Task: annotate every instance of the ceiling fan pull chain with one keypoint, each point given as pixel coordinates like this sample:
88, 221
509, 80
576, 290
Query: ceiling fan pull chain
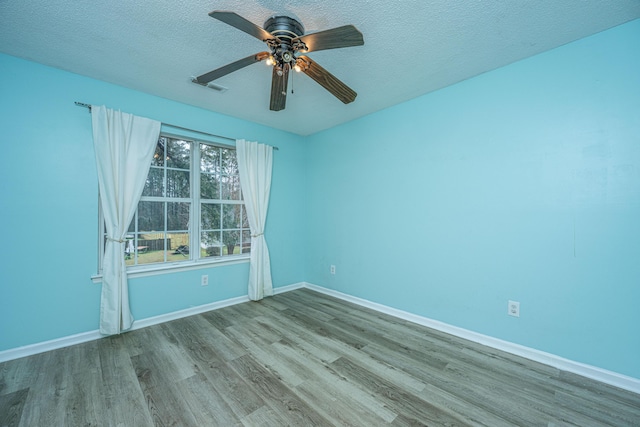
284, 80
292, 83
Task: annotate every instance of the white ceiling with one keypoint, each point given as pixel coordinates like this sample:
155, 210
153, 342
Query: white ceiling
411, 47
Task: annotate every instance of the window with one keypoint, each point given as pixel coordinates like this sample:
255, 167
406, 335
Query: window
191, 209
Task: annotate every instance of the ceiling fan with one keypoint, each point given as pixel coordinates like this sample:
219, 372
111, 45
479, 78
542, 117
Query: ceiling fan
287, 42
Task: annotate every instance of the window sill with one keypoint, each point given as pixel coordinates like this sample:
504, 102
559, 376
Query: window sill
177, 267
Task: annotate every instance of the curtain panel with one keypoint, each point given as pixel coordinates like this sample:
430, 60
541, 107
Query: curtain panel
124, 145
255, 162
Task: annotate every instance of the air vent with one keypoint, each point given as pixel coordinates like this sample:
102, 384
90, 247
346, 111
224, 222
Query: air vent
216, 87
210, 85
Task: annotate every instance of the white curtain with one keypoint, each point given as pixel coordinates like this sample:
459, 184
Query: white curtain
254, 164
124, 145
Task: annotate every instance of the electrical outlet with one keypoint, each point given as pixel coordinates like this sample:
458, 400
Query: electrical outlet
333, 269
514, 308
204, 280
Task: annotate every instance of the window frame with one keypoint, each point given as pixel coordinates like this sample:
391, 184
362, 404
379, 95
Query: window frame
195, 261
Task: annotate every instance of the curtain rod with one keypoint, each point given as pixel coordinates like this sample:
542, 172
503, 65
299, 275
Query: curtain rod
88, 106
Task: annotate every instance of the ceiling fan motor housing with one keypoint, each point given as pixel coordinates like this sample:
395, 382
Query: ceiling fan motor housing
284, 28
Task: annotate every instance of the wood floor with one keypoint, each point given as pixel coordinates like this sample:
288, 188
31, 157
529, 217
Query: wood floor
302, 359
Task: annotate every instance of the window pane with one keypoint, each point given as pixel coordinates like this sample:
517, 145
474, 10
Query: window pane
230, 187
150, 248
178, 154
210, 216
209, 186
211, 244
158, 156
154, 186
129, 250
231, 241
245, 219
150, 216
246, 241
229, 162
178, 184
177, 216
178, 244
230, 216
209, 159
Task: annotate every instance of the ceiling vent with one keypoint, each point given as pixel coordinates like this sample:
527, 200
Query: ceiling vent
216, 87
211, 85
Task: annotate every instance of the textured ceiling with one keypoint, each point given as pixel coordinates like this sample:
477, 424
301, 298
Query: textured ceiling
412, 47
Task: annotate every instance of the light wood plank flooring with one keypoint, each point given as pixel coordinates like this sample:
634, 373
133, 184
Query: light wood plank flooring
300, 359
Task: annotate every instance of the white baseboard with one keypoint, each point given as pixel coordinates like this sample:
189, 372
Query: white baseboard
283, 289
149, 321
28, 350
608, 377
588, 371
41, 347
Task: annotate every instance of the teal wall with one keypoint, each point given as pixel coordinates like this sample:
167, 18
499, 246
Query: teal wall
49, 206
522, 183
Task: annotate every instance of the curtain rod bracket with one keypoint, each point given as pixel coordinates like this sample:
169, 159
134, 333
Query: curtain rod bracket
82, 104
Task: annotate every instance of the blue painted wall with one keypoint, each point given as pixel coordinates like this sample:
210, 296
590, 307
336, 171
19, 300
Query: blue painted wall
522, 183
49, 206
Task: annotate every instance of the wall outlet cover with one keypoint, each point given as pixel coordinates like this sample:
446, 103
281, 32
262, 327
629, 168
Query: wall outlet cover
514, 308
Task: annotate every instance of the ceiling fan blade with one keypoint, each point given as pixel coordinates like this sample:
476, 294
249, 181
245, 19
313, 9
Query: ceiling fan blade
327, 80
345, 36
229, 68
242, 24
279, 89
